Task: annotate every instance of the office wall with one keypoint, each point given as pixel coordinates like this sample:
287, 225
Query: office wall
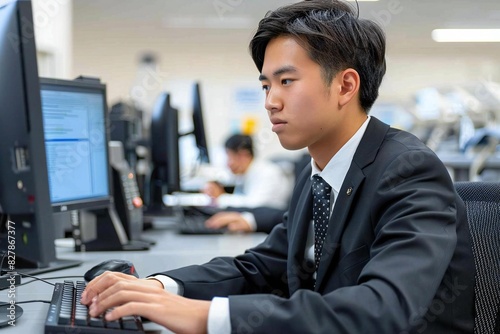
109, 48
222, 64
53, 32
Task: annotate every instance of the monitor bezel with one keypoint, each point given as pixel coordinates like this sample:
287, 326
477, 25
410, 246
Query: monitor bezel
164, 137
91, 202
199, 128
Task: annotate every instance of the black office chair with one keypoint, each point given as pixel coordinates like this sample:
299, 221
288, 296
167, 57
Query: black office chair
497, 327
482, 202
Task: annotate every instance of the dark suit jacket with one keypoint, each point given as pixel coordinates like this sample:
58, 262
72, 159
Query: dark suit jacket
397, 257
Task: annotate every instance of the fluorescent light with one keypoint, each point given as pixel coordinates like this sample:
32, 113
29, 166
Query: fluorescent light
466, 35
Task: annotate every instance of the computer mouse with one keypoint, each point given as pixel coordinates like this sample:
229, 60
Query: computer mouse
122, 266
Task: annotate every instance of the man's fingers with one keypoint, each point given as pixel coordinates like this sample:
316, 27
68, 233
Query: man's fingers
101, 283
131, 308
219, 220
142, 286
239, 226
102, 303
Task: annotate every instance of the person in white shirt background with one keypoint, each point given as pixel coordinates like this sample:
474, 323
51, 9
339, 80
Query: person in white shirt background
258, 182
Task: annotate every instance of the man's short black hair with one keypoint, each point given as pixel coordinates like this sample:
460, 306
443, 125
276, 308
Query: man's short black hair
239, 142
334, 37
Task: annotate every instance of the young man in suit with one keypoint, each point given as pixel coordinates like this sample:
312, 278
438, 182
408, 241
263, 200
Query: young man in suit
396, 257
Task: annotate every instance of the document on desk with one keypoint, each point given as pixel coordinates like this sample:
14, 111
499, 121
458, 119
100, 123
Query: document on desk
187, 199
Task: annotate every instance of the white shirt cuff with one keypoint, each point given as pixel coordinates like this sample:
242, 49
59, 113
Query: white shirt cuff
169, 284
250, 220
219, 321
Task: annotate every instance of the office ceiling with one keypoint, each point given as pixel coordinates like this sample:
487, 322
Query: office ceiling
408, 23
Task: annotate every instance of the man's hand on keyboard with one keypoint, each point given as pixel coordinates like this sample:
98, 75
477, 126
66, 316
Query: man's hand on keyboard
234, 221
128, 295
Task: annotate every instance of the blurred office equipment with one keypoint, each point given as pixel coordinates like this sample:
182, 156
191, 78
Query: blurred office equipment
127, 199
461, 123
167, 145
25, 209
126, 126
194, 151
199, 125
164, 145
435, 119
76, 140
394, 114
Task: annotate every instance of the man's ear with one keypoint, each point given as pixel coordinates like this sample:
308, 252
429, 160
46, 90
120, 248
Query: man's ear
349, 86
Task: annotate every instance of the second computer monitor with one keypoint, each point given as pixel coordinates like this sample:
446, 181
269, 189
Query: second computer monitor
76, 143
165, 147
199, 125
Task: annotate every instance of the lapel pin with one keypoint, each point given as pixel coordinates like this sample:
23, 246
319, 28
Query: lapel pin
349, 191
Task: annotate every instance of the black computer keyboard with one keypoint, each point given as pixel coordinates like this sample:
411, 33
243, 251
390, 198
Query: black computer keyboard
196, 225
67, 315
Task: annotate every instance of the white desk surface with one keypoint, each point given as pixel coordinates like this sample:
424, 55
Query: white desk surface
171, 251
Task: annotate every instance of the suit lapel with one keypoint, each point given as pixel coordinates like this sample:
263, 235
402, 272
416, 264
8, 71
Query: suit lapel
300, 221
365, 155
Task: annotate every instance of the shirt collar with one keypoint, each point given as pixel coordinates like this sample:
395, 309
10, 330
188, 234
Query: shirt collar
336, 169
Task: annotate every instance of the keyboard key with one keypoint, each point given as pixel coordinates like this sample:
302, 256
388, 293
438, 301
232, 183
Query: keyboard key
67, 315
113, 324
97, 322
129, 322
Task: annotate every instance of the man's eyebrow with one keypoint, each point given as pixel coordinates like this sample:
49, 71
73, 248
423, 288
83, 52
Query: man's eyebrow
279, 71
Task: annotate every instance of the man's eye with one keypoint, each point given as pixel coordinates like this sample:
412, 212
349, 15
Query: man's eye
286, 81
265, 88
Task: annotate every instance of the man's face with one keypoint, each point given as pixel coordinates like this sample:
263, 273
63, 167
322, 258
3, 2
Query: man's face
238, 161
299, 103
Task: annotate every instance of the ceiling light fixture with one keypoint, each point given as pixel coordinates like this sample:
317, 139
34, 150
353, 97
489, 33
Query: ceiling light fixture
466, 35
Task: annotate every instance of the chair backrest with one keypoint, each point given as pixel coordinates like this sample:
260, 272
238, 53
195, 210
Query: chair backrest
482, 202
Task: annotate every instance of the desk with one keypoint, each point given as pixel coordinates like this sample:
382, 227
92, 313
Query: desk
171, 251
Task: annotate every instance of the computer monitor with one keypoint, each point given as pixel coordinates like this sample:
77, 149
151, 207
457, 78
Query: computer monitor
199, 125
164, 131
25, 209
76, 143
75, 123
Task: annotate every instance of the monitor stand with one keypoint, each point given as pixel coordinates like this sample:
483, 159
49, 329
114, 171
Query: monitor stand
102, 230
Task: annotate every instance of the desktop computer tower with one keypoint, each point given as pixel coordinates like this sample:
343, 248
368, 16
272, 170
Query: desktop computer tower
127, 199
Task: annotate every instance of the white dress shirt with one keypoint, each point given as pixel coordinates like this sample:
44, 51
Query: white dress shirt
263, 184
334, 173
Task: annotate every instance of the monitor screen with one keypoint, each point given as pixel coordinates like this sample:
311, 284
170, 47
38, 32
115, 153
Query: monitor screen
74, 118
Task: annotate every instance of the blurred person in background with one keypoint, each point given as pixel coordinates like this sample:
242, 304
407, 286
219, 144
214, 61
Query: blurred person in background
259, 183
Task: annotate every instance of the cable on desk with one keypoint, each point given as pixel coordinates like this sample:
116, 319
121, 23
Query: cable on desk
47, 278
36, 278
1, 262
